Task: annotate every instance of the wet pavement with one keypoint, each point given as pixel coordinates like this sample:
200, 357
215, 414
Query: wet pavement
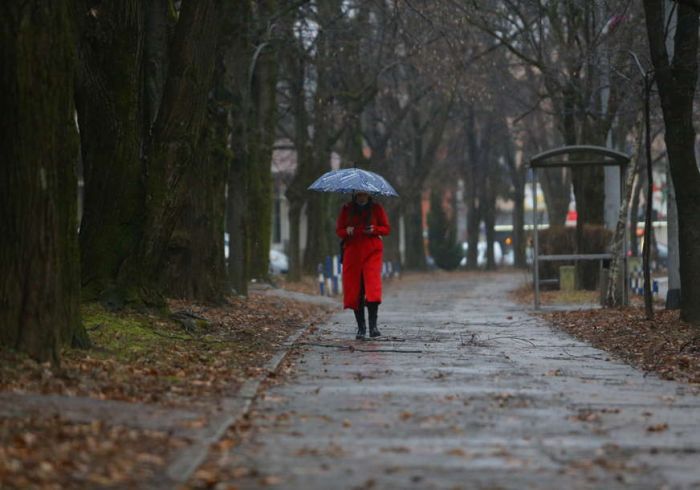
468, 391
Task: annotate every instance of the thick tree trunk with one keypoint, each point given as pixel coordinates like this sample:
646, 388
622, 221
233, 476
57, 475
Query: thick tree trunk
232, 92
39, 265
155, 60
676, 80
176, 136
195, 264
107, 102
237, 225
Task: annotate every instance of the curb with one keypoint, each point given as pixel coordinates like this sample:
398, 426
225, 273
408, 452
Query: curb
181, 468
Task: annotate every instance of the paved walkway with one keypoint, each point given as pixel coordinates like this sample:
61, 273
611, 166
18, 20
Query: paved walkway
494, 399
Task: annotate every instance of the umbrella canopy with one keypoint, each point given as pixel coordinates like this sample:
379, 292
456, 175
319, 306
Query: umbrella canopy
348, 180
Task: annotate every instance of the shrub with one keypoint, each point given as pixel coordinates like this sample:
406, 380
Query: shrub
442, 236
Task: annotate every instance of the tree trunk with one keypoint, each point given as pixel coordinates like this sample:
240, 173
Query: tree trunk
674, 275
176, 136
232, 92
155, 60
295, 265
107, 101
320, 226
676, 80
613, 296
195, 267
473, 223
489, 224
590, 208
473, 177
556, 188
413, 219
39, 265
237, 225
317, 208
392, 242
519, 259
634, 212
263, 106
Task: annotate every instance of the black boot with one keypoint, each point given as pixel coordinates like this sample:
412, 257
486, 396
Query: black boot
361, 331
373, 330
361, 326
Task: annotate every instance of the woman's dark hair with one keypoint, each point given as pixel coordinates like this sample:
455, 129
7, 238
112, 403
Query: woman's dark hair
356, 209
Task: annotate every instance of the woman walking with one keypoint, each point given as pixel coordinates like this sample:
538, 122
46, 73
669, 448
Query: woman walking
360, 225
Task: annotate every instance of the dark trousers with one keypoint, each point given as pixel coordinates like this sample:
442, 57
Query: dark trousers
372, 307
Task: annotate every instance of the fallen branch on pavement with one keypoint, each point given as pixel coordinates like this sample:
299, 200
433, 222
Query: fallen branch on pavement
352, 348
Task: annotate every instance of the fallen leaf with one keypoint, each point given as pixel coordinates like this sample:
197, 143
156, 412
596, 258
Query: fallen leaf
657, 428
271, 480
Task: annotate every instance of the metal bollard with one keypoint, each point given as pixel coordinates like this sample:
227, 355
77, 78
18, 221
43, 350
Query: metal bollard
321, 282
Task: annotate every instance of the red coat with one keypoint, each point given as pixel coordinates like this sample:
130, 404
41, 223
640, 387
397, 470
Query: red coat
362, 256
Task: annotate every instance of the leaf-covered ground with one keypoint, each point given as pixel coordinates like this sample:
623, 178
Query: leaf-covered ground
51, 452
666, 345
188, 358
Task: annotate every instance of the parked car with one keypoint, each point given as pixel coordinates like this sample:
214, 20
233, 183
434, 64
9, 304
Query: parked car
481, 253
279, 263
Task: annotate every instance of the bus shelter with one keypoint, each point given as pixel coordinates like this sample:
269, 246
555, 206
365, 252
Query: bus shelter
576, 157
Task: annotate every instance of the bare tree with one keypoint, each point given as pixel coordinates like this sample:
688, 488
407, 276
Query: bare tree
676, 79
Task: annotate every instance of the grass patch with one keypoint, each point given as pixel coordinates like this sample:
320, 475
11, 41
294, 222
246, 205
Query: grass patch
525, 294
123, 336
151, 357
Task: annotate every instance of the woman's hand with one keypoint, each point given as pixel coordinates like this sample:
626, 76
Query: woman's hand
350, 230
369, 230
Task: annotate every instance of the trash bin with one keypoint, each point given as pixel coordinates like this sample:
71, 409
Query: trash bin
567, 278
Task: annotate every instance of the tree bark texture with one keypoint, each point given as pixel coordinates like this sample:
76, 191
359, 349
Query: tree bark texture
176, 136
320, 219
195, 265
157, 23
613, 296
295, 265
196, 261
39, 264
296, 192
676, 80
236, 225
263, 92
107, 101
